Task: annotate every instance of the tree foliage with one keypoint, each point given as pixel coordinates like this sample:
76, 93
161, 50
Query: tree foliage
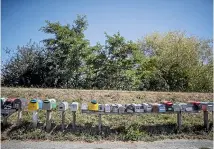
169, 61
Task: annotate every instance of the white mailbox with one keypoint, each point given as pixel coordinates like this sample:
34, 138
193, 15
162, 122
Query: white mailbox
84, 107
147, 107
138, 108
74, 106
114, 108
121, 108
63, 106
189, 107
107, 108
101, 108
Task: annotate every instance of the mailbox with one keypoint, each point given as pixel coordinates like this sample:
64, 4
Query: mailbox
189, 107
40, 103
204, 106
176, 107
2, 102
101, 107
53, 103
210, 106
33, 105
84, 107
9, 103
155, 107
74, 106
114, 108
63, 106
129, 108
161, 108
107, 108
46, 105
121, 108
19, 103
93, 105
138, 108
183, 106
196, 105
168, 105
147, 107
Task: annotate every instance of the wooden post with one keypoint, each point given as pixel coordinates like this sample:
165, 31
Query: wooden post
19, 116
63, 120
100, 123
206, 124
48, 120
35, 118
74, 119
4, 121
179, 120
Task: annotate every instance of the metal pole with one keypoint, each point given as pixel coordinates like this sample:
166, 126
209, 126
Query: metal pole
35, 119
63, 120
19, 116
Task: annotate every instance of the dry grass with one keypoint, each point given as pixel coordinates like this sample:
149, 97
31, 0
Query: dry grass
147, 127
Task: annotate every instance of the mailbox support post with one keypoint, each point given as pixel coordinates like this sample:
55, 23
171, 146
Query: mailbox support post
35, 118
48, 120
100, 123
74, 119
179, 120
206, 124
19, 116
63, 120
4, 121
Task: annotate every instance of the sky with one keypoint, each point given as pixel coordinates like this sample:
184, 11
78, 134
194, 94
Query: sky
22, 19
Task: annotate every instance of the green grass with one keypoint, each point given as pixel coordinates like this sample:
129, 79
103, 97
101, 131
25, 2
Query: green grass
147, 127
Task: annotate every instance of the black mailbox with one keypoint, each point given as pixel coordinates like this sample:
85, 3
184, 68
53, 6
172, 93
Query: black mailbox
19, 103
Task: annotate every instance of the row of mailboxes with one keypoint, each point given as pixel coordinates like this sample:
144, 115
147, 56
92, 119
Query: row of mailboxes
14, 103
36, 104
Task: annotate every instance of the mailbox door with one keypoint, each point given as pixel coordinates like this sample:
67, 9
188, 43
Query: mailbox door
61, 107
17, 104
84, 107
107, 108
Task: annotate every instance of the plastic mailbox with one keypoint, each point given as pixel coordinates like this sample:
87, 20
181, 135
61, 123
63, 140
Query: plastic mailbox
19, 103
138, 108
63, 106
74, 106
176, 107
161, 108
101, 107
84, 107
46, 105
210, 106
93, 105
168, 105
107, 108
204, 106
53, 103
121, 108
147, 107
33, 105
114, 108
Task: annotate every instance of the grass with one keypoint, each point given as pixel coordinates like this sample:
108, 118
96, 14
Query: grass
147, 127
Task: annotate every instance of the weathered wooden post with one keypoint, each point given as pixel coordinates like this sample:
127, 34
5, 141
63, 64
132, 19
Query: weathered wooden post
63, 120
179, 122
100, 123
19, 116
206, 124
74, 119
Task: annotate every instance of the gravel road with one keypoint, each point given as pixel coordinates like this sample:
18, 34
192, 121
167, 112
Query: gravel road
166, 144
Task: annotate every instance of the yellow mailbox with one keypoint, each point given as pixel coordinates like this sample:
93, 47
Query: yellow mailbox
93, 105
33, 105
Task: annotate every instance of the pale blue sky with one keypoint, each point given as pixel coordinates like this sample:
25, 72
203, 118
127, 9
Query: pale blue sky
22, 19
